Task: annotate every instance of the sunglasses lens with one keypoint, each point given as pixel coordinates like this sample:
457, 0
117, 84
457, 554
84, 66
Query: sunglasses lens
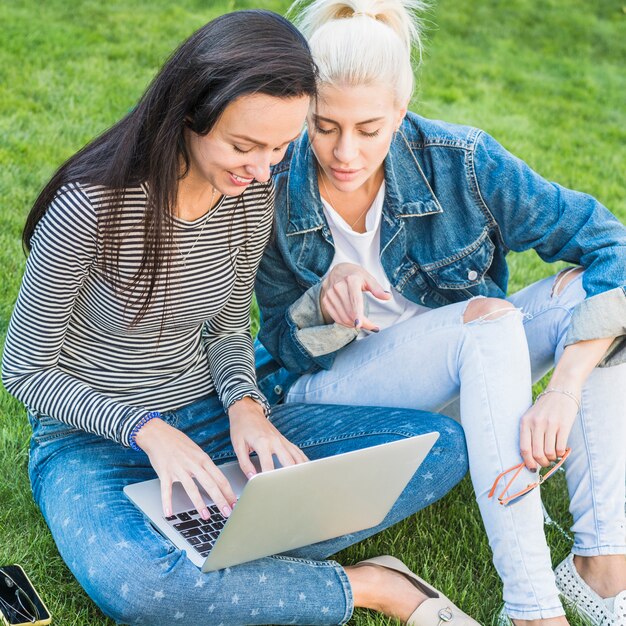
16, 606
10, 612
27, 605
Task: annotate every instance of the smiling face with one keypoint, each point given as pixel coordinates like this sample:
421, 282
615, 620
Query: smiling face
251, 135
351, 130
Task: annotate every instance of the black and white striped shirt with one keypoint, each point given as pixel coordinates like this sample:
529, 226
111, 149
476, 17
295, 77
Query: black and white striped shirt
71, 351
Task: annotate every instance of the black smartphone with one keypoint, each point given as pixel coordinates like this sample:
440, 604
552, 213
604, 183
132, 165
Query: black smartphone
20, 604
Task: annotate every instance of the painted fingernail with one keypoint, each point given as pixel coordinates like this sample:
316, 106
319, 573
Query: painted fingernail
226, 511
387, 291
205, 514
375, 330
533, 470
168, 512
357, 322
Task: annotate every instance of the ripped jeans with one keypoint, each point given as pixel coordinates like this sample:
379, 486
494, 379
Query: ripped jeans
429, 361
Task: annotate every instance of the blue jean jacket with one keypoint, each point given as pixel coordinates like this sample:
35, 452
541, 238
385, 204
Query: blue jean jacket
455, 203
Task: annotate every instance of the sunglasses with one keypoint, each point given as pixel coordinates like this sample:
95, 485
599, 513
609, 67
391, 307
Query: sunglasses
505, 499
15, 603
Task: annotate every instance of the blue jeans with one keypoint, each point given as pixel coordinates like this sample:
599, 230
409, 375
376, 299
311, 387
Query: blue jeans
137, 577
426, 362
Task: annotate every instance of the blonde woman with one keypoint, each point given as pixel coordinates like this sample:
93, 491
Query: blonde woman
386, 284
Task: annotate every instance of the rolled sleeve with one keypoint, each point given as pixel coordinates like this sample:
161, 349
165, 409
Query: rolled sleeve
310, 329
600, 316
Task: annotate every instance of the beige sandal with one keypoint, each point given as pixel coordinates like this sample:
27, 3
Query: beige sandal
437, 609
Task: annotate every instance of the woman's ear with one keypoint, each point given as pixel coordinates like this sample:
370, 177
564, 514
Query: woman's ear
400, 117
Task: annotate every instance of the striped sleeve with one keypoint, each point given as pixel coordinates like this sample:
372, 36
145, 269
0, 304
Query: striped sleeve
227, 336
64, 250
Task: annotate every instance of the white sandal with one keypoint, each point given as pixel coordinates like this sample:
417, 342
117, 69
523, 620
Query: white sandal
437, 609
582, 598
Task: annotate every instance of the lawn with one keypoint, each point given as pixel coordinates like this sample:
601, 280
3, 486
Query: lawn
546, 79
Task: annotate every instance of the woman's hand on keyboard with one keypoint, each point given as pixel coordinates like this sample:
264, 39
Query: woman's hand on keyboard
176, 458
251, 431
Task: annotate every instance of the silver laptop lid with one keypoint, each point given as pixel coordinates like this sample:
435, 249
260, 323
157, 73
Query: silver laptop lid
295, 506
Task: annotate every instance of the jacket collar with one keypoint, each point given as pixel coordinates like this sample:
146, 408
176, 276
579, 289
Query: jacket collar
407, 193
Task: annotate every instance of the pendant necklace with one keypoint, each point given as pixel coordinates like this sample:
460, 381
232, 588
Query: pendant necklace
330, 201
184, 257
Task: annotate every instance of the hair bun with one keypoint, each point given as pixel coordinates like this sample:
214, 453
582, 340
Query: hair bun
364, 14
364, 51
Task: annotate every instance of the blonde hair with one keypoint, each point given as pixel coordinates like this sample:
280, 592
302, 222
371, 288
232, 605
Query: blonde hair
360, 42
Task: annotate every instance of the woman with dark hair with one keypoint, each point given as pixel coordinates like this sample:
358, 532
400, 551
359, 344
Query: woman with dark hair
130, 345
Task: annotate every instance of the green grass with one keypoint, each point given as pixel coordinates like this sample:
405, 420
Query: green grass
546, 79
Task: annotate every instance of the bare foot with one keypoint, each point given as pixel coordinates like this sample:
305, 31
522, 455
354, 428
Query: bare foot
606, 575
384, 590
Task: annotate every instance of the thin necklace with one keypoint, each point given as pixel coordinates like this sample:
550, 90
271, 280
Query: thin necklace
184, 257
330, 201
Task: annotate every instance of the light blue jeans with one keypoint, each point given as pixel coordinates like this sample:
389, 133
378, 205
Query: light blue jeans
137, 577
426, 362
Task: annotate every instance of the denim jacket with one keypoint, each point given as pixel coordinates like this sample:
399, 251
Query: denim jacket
455, 203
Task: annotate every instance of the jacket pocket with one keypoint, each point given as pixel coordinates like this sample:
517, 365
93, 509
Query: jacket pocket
464, 269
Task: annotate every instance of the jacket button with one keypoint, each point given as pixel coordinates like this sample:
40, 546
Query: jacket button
472, 274
278, 390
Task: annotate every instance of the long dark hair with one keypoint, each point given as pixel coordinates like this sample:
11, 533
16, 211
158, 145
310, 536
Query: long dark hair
237, 54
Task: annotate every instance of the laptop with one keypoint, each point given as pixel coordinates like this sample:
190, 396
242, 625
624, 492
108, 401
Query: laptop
288, 507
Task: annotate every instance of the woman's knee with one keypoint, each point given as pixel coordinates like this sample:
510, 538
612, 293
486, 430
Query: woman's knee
450, 448
443, 467
486, 308
451, 445
403, 423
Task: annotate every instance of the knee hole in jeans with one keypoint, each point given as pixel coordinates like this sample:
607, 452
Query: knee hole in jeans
486, 308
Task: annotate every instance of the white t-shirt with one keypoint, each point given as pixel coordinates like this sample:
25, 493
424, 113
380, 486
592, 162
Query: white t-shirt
363, 249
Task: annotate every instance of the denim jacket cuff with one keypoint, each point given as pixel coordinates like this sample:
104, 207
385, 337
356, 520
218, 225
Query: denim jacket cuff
603, 315
306, 310
313, 334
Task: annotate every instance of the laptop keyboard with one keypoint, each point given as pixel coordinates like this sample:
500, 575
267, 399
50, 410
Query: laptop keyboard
200, 534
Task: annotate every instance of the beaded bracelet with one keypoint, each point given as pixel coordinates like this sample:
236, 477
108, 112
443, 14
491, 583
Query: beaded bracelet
142, 422
569, 394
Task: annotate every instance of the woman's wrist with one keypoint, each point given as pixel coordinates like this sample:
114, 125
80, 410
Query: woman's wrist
572, 395
244, 406
569, 377
138, 433
565, 383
